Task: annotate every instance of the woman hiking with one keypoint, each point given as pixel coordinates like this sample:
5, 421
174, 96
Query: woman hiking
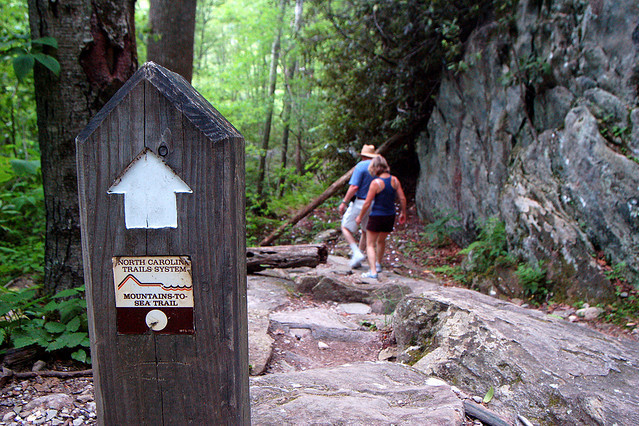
384, 190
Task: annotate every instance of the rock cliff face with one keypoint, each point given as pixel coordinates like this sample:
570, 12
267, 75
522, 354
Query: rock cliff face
542, 131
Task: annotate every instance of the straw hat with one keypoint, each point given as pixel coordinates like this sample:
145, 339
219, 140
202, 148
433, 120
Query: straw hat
368, 151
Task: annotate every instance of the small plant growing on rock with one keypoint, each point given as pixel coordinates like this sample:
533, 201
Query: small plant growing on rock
490, 248
533, 280
625, 310
438, 233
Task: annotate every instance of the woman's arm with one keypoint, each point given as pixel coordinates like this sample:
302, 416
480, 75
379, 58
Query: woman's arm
373, 189
402, 201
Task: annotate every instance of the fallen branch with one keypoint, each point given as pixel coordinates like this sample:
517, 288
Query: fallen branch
484, 415
48, 373
260, 258
330, 191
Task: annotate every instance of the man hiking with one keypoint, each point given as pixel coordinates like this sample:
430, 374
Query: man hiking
358, 187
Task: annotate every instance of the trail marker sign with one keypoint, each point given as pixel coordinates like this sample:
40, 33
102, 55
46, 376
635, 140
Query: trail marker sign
161, 184
149, 187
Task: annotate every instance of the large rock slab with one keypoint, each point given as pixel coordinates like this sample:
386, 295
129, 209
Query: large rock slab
377, 393
551, 153
382, 296
322, 323
260, 343
547, 369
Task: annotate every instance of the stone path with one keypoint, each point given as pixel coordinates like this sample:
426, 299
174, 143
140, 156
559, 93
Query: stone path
321, 341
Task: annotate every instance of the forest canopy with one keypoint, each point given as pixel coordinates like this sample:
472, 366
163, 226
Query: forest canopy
346, 73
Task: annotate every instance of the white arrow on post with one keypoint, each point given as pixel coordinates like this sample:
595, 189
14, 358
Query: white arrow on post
149, 187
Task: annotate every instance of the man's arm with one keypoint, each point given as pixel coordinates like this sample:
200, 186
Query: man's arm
352, 190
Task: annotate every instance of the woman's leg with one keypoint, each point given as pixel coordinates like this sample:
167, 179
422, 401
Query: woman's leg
381, 246
371, 239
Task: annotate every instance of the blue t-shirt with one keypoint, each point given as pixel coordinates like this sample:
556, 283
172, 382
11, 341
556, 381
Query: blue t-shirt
361, 178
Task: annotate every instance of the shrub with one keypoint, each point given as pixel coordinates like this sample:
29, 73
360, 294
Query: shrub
438, 233
533, 280
55, 323
490, 248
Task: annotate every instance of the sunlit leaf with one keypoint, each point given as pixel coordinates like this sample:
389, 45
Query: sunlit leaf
489, 395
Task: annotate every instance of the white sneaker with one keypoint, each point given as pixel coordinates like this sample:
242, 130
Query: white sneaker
378, 267
370, 274
356, 259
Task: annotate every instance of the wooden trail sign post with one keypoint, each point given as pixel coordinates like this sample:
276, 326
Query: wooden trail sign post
161, 182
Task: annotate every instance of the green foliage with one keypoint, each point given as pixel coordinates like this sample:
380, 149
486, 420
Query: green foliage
57, 323
490, 248
533, 280
619, 137
624, 311
530, 70
21, 219
438, 233
454, 272
618, 272
383, 60
300, 191
17, 102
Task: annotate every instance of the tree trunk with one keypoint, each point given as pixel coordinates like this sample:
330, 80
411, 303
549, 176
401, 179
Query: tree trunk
260, 258
171, 37
97, 54
288, 97
290, 72
266, 135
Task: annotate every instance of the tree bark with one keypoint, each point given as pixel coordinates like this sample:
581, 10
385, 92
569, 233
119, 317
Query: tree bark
97, 54
171, 36
286, 118
260, 258
288, 97
266, 134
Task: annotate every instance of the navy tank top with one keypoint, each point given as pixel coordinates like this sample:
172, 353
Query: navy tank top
384, 204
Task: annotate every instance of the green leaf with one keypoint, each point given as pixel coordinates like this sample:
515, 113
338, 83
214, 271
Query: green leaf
55, 327
79, 355
73, 340
49, 62
46, 41
25, 167
5, 308
22, 65
66, 293
57, 344
50, 307
73, 325
20, 341
489, 395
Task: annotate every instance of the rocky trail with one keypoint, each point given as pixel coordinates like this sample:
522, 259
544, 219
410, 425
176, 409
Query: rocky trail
326, 346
